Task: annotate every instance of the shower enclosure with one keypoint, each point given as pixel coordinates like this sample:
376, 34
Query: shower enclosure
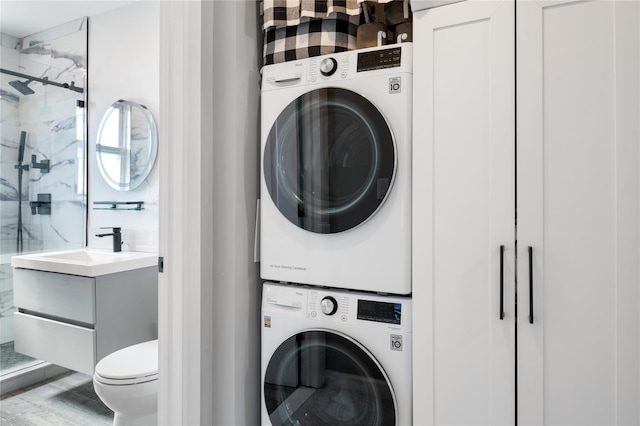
43, 156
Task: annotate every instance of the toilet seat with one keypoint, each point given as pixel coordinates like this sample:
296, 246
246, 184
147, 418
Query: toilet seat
129, 366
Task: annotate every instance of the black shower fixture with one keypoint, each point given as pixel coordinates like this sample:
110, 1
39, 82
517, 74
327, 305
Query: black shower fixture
23, 143
22, 86
21, 169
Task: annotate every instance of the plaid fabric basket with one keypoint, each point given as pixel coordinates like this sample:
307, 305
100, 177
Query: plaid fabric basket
311, 38
286, 13
297, 29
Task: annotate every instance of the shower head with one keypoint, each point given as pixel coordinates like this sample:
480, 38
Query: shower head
22, 86
23, 140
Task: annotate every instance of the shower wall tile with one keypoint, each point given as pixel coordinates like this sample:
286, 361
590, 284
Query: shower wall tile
9, 56
9, 184
6, 302
9, 109
9, 225
9, 104
9, 141
6, 274
10, 42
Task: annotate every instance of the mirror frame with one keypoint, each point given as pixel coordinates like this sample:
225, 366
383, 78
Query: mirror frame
119, 107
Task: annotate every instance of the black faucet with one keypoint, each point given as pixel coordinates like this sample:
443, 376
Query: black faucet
117, 238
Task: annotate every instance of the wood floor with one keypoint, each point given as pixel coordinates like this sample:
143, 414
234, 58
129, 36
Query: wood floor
67, 400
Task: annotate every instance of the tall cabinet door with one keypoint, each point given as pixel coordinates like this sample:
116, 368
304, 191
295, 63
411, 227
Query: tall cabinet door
578, 197
463, 146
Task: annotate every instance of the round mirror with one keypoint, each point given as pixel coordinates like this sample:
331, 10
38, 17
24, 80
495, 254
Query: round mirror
127, 145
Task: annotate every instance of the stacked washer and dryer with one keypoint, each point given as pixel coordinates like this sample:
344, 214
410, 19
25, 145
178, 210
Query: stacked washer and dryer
335, 239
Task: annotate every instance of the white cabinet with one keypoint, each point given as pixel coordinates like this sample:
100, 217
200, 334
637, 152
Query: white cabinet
578, 192
464, 369
525, 136
75, 321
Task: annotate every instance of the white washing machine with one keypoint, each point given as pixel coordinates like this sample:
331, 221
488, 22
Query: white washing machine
336, 170
335, 357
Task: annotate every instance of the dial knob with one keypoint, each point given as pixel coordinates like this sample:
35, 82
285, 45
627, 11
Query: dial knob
328, 305
328, 66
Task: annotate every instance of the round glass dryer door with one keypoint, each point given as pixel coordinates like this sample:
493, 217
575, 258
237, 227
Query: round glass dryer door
324, 378
329, 160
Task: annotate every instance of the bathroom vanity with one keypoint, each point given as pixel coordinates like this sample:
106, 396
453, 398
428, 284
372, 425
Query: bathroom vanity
78, 307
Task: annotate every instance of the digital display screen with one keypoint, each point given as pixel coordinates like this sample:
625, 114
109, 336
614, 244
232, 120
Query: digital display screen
379, 59
386, 312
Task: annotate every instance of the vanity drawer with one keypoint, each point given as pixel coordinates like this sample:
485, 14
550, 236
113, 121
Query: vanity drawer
63, 344
66, 296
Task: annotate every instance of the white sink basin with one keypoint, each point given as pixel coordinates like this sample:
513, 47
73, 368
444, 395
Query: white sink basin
85, 262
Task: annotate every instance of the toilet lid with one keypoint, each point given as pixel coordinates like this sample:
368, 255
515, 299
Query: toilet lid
137, 361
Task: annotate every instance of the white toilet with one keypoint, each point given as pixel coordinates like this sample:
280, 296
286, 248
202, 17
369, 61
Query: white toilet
127, 382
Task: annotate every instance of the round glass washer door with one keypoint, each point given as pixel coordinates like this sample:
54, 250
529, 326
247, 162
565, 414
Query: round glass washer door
329, 160
324, 378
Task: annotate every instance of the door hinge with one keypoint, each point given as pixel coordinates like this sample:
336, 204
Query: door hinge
161, 264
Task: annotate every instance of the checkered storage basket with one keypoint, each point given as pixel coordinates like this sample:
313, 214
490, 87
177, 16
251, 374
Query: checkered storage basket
297, 29
312, 38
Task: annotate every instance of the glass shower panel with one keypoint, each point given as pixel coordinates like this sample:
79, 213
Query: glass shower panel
43, 154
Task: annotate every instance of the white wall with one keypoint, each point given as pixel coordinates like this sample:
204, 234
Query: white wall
235, 133
124, 46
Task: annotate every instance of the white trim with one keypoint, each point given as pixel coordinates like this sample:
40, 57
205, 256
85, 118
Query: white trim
209, 295
180, 208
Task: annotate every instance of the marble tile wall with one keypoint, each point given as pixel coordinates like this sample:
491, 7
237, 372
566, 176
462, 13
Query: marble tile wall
55, 131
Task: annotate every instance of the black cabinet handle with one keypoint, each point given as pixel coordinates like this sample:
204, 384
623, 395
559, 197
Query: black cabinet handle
501, 282
530, 285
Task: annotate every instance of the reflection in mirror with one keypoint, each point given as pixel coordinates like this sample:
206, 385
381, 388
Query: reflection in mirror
127, 145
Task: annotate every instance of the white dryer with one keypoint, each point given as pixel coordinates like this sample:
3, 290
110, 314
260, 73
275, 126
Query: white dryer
336, 170
334, 357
